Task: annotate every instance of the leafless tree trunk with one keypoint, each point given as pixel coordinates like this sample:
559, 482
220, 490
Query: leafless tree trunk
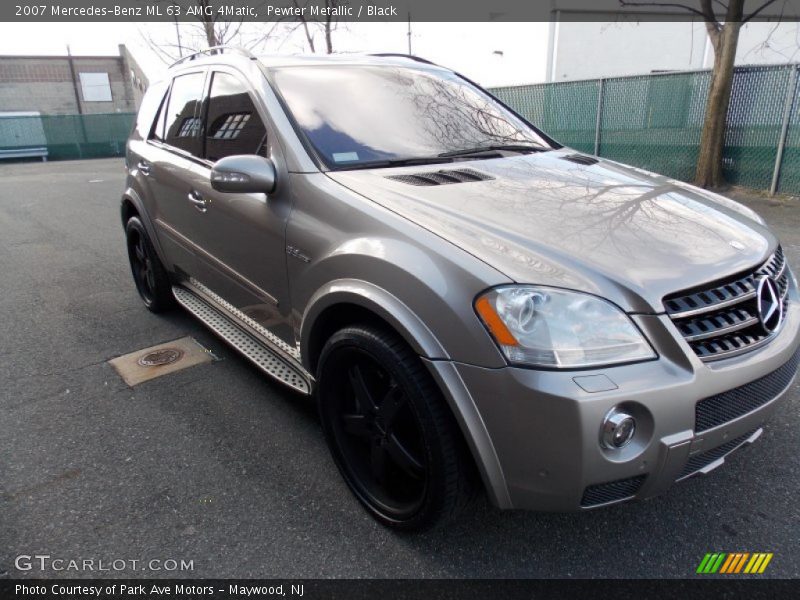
724, 35
725, 39
306, 30
211, 35
327, 26
328, 38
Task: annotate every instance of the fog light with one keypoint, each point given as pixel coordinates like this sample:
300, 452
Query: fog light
618, 430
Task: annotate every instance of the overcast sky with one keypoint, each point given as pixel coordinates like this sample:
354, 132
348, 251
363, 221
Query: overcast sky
490, 53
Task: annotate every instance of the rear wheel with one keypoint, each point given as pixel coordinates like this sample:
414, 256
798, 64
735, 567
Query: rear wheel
389, 430
149, 275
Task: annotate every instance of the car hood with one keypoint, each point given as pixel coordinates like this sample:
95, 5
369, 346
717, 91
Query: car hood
604, 228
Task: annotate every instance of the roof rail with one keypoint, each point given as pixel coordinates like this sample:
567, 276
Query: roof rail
214, 50
401, 55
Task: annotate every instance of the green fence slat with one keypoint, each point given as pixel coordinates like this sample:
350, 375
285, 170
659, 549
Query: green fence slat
67, 137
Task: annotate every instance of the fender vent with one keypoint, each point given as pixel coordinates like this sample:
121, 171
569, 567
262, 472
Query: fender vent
581, 159
443, 177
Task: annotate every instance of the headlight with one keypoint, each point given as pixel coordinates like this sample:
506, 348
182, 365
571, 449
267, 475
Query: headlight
549, 327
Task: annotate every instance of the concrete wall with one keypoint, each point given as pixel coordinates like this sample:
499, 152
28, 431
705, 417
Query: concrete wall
45, 84
587, 50
137, 80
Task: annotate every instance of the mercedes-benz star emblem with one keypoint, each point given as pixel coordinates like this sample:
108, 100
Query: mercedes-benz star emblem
770, 307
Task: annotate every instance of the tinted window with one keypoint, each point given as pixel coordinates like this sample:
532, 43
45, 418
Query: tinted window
234, 126
183, 115
358, 114
147, 111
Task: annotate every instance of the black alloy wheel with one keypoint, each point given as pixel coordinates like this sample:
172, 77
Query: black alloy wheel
393, 438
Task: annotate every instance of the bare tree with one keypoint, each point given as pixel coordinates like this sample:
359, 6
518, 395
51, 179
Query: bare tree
327, 26
304, 24
208, 30
723, 20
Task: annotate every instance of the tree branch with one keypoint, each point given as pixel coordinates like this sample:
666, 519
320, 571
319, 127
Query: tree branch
691, 9
756, 11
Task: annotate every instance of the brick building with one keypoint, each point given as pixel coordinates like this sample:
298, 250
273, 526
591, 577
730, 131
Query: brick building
61, 85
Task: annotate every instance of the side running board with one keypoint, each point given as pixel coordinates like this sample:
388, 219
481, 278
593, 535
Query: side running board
265, 358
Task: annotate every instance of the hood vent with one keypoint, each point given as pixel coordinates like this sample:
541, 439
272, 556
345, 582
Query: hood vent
581, 159
443, 177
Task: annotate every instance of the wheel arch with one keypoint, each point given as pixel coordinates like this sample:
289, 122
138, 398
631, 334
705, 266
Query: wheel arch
346, 302
341, 302
132, 205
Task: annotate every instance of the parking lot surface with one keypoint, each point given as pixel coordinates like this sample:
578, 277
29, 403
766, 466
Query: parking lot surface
218, 465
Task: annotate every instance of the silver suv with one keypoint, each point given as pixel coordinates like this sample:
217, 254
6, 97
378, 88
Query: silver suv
472, 304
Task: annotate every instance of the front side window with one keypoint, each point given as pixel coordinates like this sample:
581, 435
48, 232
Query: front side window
183, 124
234, 126
354, 115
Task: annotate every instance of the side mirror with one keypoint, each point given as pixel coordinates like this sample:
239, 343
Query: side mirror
243, 173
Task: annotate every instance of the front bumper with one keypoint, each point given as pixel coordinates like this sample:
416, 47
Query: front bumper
538, 446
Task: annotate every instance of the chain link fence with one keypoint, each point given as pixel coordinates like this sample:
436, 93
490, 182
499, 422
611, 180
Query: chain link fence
60, 137
654, 121
649, 121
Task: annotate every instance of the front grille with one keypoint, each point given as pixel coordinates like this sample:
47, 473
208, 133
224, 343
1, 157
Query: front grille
613, 491
716, 410
700, 461
721, 320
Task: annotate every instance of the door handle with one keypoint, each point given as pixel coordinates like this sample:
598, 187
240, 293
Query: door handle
144, 167
199, 202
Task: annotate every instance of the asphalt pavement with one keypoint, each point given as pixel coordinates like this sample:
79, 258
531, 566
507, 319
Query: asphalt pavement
218, 465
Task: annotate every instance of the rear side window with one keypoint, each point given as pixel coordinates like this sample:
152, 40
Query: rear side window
150, 105
183, 124
233, 124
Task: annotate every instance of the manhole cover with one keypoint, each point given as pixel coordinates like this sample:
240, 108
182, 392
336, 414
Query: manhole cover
158, 358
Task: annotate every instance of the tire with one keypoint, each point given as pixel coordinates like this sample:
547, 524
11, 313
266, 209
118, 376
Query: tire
389, 430
149, 275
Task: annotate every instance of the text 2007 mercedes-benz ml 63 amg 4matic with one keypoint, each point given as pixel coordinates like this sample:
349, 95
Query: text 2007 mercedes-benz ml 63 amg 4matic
472, 304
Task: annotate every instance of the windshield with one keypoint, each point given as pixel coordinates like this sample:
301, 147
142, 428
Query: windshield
357, 115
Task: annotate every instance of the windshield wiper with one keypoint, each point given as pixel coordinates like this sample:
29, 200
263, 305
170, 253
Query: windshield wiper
397, 162
494, 148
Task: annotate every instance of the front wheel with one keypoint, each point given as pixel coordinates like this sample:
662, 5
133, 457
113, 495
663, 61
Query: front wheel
389, 431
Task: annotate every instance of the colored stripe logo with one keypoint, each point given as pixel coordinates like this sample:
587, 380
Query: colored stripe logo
734, 562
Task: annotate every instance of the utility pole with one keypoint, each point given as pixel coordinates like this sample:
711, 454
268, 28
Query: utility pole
84, 138
409, 33
74, 81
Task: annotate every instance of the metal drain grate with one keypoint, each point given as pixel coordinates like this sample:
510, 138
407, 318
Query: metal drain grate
157, 361
260, 355
159, 358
